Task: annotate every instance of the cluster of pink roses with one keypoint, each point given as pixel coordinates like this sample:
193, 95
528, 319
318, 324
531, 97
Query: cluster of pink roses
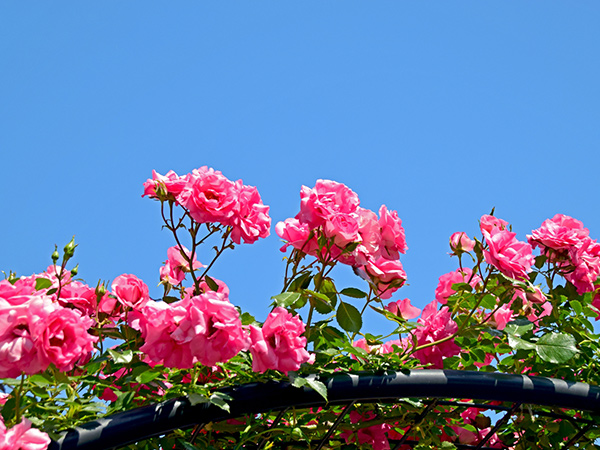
567, 244
354, 235
206, 328
209, 197
39, 327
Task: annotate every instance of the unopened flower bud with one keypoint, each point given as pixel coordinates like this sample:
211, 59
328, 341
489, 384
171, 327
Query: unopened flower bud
55, 255
70, 249
74, 270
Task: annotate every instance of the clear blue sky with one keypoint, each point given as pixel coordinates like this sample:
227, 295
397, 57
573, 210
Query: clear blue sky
441, 110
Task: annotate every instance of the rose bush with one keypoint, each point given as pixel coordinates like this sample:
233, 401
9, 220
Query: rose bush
70, 352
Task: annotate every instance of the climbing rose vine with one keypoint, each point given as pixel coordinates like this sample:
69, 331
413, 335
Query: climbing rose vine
71, 352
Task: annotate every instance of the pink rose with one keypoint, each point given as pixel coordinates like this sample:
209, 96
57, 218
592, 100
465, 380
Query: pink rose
502, 316
157, 321
370, 240
19, 292
130, 291
325, 199
511, 257
490, 225
343, 228
61, 336
434, 326
460, 242
22, 437
296, 234
279, 345
209, 196
80, 296
18, 350
177, 265
387, 275
393, 241
404, 309
164, 186
217, 329
585, 258
559, 233
444, 287
251, 220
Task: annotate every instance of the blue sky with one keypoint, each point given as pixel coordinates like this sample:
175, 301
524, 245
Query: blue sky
440, 110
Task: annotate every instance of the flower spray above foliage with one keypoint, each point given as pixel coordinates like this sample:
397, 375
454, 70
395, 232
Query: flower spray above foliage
70, 353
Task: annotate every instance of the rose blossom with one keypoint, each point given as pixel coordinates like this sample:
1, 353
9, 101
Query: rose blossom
62, 336
214, 326
157, 321
511, 257
325, 199
176, 265
251, 220
435, 325
296, 234
387, 275
19, 292
393, 240
209, 196
130, 291
169, 184
18, 352
22, 437
444, 287
80, 296
279, 345
460, 242
343, 228
490, 225
586, 259
404, 309
559, 233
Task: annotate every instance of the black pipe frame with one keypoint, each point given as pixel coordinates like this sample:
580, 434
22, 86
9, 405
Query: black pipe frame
254, 398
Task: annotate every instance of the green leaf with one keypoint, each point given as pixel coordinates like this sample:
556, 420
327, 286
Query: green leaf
300, 282
540, 261
333, 335
349, 317
42, 283
353, 292
317, 386
197, 399
328, 288
170, 299
520, 344
576, 305
212, 284
247, 319
286, 299
147, 376
488, 301
319, 301
556, 348
219, 399
312, 383
124, 357
518, 327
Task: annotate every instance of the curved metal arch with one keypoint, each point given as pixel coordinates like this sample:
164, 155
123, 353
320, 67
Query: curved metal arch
254, 398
